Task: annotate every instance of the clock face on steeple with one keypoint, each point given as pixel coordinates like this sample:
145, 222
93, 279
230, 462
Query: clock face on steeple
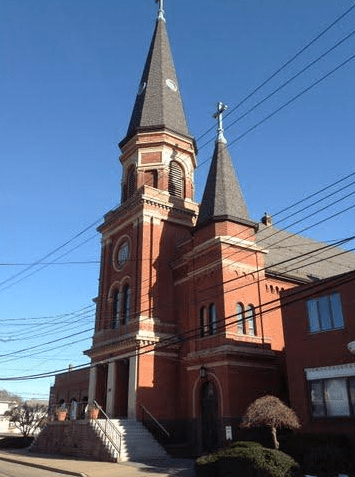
171, 84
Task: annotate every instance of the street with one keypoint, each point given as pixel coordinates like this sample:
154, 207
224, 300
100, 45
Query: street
8, 469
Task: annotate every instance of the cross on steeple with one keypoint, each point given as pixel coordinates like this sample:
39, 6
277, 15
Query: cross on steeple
221, 107
161, 12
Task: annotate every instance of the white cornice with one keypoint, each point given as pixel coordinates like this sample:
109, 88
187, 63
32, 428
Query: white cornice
124, 217
326, 372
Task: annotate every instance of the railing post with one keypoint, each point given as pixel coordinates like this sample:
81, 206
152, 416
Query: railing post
113, 433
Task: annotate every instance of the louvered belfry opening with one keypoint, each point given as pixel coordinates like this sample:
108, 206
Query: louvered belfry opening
176, 180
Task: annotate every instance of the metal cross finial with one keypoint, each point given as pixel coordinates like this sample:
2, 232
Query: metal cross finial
221, 107
161, 12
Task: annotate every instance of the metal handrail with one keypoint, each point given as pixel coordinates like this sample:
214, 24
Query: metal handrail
155, 420
112, 430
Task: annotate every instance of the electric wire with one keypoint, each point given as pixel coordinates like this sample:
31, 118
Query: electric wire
296, 55
232, 142
279, 88
298, 95
307, 292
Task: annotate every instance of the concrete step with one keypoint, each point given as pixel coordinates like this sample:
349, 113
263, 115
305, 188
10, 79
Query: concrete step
136, 441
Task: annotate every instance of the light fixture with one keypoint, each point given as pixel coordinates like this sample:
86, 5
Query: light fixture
351, 347
203, 372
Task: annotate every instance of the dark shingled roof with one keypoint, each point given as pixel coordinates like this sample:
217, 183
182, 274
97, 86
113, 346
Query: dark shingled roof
222, 198
158, 105
318, 260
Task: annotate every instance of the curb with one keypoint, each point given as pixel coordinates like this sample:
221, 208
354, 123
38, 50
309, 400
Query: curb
44, 467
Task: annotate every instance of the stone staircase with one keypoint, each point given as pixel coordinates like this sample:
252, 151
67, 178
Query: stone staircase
134, 441
87, 439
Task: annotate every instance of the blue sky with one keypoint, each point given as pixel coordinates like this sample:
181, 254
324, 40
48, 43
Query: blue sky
70, 71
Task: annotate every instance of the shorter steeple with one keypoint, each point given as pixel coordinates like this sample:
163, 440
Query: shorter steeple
222, 198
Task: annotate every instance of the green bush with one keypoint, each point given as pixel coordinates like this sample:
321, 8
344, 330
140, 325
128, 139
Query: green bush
247, 459
245, 444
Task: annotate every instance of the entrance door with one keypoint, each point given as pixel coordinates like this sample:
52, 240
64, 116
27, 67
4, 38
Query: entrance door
209, 416
122, 378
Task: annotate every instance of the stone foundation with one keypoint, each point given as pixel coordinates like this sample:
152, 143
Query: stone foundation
71, 438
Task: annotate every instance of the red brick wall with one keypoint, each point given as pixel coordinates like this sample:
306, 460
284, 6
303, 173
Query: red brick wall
310, 350
71, 384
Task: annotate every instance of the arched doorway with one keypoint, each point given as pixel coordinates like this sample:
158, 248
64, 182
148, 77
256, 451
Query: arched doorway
209, 416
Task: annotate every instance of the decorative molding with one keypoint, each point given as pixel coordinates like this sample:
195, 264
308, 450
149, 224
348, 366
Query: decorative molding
207, 270
326, 372
231, 362
224, 349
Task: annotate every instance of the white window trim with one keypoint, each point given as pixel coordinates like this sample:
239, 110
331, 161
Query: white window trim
327, 372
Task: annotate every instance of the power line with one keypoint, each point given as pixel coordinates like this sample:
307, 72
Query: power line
83, 310
279, 88
44, 344
296, 55
85, 262
303, 293
41, 261
45, 266
314, 194
341, 65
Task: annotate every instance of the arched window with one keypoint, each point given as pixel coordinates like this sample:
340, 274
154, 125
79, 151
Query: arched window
250, 320
212, 319
115, 322
203, 322
131, 182
240, 319
176, 180
126, 304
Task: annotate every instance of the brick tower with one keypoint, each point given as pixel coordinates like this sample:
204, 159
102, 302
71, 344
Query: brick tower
135, 306
179, 330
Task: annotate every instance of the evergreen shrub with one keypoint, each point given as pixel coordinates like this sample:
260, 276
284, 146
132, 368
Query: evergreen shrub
247, 459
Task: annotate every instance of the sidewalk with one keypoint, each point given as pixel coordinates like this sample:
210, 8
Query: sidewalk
169, 467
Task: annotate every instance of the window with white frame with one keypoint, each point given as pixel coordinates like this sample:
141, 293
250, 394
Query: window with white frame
212, 319
203, 322
115, 322
240, 319
126, 305
325, 313
334, 397
250, 320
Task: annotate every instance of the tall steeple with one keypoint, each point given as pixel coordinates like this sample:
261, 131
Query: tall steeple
157, 151
222, 198
158, 102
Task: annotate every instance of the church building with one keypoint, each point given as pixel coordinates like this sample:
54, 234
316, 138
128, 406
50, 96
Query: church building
188, 324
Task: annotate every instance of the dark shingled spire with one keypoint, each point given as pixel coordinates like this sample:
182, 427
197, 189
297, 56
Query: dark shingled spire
158, 102
222, 198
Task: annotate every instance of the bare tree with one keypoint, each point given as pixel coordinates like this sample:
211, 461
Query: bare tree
28, 417
269, 411
7, 396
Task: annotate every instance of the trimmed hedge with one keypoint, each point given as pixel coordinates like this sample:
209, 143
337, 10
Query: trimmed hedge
247, 459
